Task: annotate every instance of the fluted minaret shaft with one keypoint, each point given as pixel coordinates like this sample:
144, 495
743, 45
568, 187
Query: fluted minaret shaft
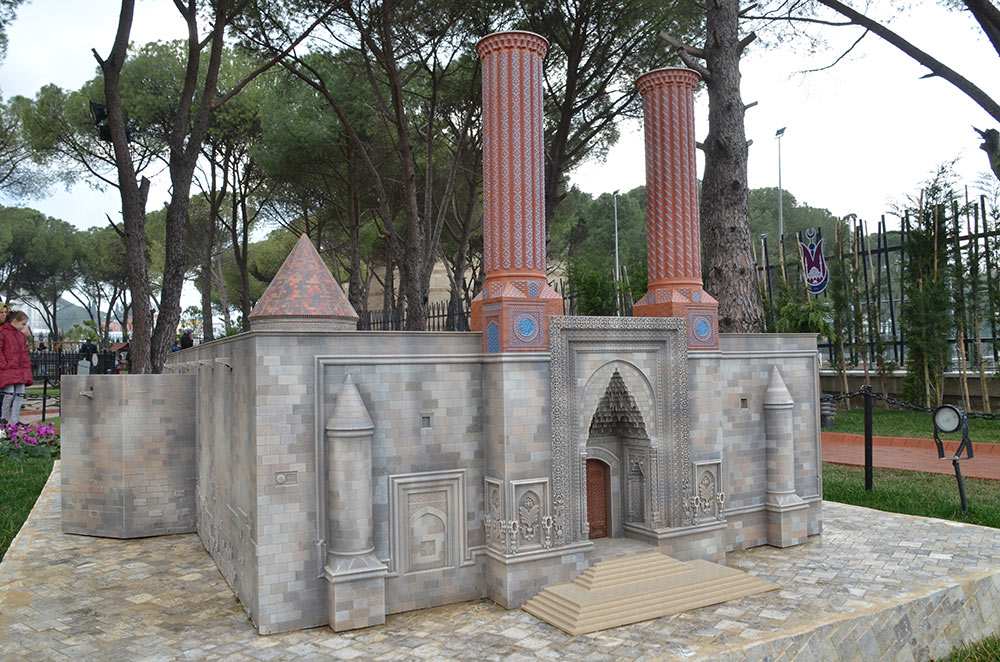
514, 305
673, 236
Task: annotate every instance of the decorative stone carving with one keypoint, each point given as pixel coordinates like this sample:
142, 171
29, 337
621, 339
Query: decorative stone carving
706, 492
548, 524
427, 527
493, 522
617, 414
428, 530
709, 498
669, 477
636, 491
528, 511
510, 529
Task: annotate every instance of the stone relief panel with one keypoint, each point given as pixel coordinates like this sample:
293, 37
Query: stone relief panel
427, 516
637, 467
708, 498
494, 523
585, 352
427, 528
532, 514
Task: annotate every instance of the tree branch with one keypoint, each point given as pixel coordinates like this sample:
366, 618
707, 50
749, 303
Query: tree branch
842, 56
121, 233
988, 16
685, 52
682, 46
278, 57
746, 41
799, 19
966, 86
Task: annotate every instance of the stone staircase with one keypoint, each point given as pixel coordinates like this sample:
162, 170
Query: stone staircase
637, 587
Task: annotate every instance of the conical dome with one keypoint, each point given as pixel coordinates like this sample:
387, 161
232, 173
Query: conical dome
303, 296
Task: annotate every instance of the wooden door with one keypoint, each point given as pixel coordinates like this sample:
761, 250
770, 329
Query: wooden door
598, 499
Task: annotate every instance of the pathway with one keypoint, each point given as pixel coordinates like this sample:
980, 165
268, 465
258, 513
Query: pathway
912, 454
873, 586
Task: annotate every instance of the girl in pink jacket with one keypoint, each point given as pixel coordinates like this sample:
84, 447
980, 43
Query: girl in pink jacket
15, 365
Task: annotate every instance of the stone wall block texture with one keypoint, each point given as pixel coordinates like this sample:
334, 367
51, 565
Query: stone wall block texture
129, 450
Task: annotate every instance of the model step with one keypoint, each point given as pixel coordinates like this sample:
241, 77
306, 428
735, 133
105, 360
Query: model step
638, 587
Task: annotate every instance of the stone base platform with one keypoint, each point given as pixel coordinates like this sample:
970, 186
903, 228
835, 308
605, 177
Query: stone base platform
873, 586
639, 587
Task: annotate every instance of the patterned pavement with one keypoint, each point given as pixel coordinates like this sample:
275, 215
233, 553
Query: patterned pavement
872, 586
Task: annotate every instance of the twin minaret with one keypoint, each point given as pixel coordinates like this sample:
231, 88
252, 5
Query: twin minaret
515, 302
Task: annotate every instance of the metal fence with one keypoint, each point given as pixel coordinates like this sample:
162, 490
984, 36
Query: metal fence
877, 288
440, 318
53, 365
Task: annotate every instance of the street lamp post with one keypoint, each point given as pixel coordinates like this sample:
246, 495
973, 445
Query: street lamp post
617, 270
781, 211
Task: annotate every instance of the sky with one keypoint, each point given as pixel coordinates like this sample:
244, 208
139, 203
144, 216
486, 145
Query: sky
859, 136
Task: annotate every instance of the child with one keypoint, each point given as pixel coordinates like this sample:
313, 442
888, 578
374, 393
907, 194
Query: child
15, 365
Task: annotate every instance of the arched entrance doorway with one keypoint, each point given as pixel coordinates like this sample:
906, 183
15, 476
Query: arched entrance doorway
598, 498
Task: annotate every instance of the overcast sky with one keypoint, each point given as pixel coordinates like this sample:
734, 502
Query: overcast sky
858, 136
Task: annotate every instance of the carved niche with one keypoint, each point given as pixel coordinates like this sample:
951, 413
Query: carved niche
579, 348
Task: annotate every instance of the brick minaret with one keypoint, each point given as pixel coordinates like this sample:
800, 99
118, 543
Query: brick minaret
513, 307
672, 233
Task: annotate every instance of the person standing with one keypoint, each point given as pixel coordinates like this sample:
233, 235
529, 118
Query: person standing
87, 350
186, 339
15, 365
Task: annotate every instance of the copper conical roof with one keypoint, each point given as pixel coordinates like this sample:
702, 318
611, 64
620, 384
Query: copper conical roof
303, 295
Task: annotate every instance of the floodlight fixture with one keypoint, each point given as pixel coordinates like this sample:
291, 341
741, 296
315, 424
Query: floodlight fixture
947, 418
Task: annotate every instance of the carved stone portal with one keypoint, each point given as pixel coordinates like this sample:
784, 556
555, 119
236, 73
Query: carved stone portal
653, 367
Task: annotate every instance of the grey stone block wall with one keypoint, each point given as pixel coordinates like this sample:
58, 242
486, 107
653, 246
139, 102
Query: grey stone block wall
225, 371
518, 449
128, 451
727, 418
426, 404
462, 459
513, 581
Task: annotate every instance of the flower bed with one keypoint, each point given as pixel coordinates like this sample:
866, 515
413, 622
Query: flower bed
20, 441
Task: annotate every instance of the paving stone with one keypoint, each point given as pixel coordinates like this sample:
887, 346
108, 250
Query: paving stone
74, 597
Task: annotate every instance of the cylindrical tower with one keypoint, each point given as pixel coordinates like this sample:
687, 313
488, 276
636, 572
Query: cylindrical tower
672, 226
787, 514
356, 579
515, 300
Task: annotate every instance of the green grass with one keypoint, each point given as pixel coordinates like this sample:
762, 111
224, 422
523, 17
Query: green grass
37, 391
21, 481
987, 650
914, 493
908, 423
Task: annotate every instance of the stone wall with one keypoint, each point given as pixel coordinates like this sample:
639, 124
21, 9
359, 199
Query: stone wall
423, 393
226, 375
727, 420
128, 450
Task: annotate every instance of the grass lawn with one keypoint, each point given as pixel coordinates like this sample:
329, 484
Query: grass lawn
37, 391
907, 423
987, 650
914, 493
21, 481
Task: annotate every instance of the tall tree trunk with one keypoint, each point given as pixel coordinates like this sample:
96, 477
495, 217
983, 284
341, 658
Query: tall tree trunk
725, 225
357, 293
205, 287
133, 196
220, 286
